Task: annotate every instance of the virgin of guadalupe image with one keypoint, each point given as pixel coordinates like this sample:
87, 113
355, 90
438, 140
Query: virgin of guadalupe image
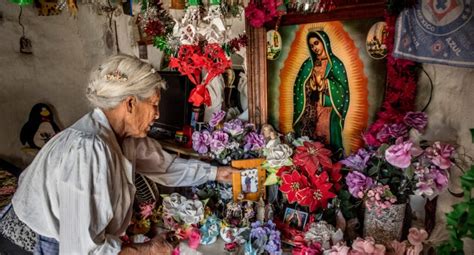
321, 93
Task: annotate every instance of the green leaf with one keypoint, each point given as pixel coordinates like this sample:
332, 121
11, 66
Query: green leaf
373, 171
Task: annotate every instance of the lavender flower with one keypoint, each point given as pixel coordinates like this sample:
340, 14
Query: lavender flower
254, 142
392, 131
201, 141
216, 118
234, 127
357, 161
358, 183
219, 142
417, 120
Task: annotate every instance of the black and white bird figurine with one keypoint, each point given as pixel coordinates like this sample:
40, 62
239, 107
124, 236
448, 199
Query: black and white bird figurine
39, 128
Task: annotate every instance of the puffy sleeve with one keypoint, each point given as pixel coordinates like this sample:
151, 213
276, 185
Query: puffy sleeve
84, 189
152, 161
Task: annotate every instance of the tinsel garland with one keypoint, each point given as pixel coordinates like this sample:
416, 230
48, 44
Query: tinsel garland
400, 89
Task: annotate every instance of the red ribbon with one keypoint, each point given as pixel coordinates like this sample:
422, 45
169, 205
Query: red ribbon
192, 59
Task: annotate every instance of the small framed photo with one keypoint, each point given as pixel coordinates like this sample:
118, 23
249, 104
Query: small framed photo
248, 183
295, 219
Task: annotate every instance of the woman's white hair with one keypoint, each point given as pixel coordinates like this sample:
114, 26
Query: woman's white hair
121, 76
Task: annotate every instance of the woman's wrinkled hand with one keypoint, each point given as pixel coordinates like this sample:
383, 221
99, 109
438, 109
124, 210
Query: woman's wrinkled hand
224, 174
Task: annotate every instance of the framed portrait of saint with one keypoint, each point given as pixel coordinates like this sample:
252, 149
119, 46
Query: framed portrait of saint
248, 183
320, 84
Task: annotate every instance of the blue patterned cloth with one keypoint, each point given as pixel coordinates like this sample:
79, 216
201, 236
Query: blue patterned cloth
46, 246
436, 31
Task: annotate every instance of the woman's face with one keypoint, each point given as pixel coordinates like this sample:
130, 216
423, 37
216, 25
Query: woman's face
317, 47
146, 112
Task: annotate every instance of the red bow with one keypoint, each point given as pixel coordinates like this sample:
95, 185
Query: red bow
192, 59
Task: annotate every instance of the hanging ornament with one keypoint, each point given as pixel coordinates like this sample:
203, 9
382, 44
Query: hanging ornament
274, 43
376, 41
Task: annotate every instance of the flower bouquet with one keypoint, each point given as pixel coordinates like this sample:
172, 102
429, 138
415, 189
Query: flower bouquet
384, 177
225, 141
264, 239
311, 183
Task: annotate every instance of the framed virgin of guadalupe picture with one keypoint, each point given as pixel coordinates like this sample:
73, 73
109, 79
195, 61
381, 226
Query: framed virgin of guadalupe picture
248, 183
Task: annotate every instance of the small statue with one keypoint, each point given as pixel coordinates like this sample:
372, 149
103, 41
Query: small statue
270, 135
261, 210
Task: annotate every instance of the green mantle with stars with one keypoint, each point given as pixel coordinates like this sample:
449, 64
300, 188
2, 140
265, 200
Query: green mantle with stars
338, 88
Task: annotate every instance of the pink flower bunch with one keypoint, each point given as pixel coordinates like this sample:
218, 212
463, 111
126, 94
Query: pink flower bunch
360, 246
400, 154
414, 246
379, 197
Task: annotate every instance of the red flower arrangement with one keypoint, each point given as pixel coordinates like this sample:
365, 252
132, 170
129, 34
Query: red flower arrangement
192, 59
311, 180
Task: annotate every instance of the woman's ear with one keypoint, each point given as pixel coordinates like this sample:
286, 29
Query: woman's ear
130, 103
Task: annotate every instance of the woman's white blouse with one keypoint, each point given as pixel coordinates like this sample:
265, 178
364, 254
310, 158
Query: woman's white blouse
79, 188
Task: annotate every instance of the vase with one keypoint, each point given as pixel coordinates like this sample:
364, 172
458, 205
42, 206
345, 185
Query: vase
385, 225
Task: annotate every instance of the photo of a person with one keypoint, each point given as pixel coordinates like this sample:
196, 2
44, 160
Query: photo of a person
249, 181
321, 93
295, 219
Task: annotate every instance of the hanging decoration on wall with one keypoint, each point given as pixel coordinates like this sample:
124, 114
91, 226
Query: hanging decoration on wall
25, 43
376, 44
274, 43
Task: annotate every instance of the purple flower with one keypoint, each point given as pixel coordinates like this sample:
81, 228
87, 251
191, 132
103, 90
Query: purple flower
254, 142
358, 182
440, 154
400, 154
357, 161
216, 118
417, 120
392, 131
201, 141
234, 127
219, 141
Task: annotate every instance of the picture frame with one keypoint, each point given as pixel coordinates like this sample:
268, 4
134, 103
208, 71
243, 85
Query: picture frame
295, 218
248, 183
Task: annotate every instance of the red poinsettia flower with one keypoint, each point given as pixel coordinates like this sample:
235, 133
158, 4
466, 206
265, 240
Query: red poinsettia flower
311, 155
335, 175
318, 195
292, 183
285, 170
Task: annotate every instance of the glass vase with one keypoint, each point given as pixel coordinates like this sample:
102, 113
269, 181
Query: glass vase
385, 225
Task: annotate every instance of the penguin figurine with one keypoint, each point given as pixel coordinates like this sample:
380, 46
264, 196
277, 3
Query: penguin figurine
39, 128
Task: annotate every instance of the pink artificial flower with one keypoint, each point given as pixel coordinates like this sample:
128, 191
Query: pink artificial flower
414, 250
194, 238
417, 236
399, 248
400, 154
440, 154
367, 246
339, 249
146, 209
175, 251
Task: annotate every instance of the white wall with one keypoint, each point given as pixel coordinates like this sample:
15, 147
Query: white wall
64, 51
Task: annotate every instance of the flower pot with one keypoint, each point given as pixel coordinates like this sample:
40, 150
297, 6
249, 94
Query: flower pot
384, 225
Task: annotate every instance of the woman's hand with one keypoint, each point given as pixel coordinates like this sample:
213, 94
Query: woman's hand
224, 174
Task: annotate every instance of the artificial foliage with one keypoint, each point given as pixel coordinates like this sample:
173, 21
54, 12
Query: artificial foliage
460, 221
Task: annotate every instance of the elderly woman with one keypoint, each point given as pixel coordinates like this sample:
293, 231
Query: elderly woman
78, 192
